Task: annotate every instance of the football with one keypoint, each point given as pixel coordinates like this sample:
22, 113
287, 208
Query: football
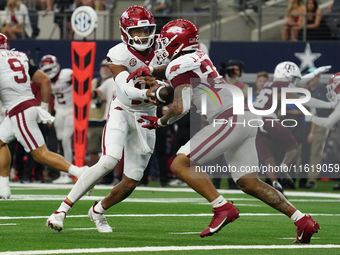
163, 95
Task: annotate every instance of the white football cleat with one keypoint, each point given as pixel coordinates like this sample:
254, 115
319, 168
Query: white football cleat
56, 221
100, 220
5, 192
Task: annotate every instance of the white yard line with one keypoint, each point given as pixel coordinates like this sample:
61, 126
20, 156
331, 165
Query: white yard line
155, 200
19, 186
175, 248
164, 215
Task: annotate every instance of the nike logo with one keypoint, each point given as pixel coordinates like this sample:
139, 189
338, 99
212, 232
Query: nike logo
300, 237
212, 230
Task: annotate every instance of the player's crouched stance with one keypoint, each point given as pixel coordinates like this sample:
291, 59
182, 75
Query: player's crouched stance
188, 69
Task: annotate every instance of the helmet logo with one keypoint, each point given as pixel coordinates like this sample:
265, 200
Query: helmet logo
175, 29
133, 62
289, 68
125, 15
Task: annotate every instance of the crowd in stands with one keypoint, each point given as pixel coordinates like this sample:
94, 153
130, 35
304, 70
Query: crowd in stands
310, 22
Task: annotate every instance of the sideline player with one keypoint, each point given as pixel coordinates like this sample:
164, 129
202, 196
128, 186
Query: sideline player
124, 125
188, 70
23, 113
61, 81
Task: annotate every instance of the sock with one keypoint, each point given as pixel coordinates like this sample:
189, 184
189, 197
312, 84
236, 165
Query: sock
4, 180
99, 208
64, 207
297, 215
218, 202
75, 171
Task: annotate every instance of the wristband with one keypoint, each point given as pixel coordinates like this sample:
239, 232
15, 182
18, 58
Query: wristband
44, 106
151, 69
159, 123
310, 134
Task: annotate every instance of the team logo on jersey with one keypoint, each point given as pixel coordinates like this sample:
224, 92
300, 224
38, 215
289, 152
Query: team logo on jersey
174, 68
133, 62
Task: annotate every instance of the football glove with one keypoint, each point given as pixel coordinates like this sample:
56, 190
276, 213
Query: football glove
142, 71
155, 122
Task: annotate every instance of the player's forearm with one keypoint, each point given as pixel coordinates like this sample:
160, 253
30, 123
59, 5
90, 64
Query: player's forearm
46, 92
180, 106
159, 72
327, 122
317, 103
128, 88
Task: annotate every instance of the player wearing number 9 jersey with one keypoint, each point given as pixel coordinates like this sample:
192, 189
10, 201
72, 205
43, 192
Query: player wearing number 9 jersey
61, 81
124, 124
23, 112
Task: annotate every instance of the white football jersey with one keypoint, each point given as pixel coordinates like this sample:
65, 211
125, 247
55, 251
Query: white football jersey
15, 81
121, 54
62, 91
198, 70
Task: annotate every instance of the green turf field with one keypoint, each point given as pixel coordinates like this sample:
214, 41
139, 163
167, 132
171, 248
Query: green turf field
163, 221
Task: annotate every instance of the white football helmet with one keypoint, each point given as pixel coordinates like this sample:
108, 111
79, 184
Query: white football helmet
289, 71
333, 87
50, 66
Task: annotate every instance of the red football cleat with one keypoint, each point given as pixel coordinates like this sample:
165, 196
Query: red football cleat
222, 216
306, 227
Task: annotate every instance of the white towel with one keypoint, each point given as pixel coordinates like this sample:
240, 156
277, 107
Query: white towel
44, 116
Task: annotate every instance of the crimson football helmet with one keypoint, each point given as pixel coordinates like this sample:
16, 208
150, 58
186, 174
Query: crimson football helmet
333, 87
4, 42
139, 19
50, 66
289, 71
176, 36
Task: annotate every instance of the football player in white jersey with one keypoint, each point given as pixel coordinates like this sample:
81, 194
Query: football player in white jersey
61, 81
189, 72
124, 125
333, 95
23, 113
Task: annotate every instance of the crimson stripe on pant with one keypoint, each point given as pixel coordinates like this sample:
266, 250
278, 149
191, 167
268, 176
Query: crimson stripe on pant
199, 148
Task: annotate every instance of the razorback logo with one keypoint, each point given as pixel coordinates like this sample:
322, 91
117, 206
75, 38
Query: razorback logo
140, 121
174, 68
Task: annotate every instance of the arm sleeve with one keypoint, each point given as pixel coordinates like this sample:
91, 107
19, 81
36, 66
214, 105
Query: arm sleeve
128, 88
306, 78
31, 70
330, 121
317, 103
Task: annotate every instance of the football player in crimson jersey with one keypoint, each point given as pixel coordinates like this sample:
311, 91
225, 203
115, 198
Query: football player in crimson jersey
124, 125
23, 112
188, 69
61, 81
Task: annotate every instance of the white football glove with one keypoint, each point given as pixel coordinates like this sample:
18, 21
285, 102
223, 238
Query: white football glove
321, 69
